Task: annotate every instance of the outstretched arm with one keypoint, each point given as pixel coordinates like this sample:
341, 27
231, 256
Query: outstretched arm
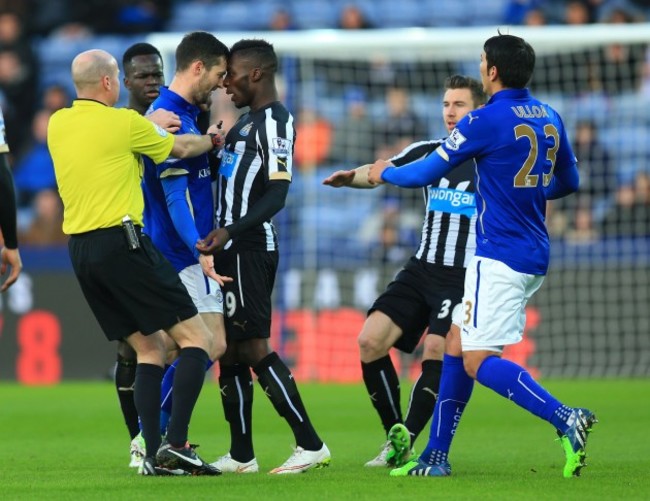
355, 178
414, 175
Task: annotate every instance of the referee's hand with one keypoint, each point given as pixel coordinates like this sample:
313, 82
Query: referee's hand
169, 121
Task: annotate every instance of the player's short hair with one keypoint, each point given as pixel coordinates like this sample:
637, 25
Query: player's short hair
200, 46
259, 52
464, 82
138, 49
513, 58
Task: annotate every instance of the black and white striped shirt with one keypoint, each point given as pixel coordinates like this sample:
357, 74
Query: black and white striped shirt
449, 228
258, 149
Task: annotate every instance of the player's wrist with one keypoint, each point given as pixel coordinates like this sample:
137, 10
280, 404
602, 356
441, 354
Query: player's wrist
217, 141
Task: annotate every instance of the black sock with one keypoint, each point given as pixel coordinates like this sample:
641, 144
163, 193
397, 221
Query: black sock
278, 384
125, 383
236, 385
188, 381
423, 397
147, 401
383, 387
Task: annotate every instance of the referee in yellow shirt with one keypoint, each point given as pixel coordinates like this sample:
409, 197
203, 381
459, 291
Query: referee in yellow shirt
131, 288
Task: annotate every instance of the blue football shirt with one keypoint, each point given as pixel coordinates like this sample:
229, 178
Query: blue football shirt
519, 145
176, 241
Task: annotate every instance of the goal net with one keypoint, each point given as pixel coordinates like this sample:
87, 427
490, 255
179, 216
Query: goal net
363, 95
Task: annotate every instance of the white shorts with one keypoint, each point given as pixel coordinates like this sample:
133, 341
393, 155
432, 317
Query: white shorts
204, 291
494, 304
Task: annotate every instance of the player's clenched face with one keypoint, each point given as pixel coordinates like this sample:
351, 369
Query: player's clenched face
237, 81
455, 105
210, 80
143, 78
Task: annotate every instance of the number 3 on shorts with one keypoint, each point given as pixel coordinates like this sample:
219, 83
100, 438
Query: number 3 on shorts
468, 312
444, 308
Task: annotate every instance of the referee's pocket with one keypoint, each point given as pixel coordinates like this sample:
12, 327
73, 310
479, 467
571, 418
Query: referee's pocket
149, 252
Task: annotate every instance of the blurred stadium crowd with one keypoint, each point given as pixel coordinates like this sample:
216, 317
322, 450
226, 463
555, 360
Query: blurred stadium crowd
603, 93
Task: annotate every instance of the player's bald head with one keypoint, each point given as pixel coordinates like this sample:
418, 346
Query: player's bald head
89, 67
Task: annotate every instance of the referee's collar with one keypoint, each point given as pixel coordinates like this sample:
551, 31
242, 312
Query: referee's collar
84, 100
179, 102
510, 94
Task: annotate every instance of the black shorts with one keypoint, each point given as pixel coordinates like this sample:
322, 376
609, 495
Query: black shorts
128, 291
422, 295
247, 299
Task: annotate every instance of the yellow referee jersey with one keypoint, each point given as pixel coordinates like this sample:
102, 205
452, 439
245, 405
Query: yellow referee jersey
96, 152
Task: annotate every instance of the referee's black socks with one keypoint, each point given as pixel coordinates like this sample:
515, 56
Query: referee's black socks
188, 381
147, 401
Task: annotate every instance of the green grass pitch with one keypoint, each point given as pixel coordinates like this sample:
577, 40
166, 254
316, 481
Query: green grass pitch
69, 442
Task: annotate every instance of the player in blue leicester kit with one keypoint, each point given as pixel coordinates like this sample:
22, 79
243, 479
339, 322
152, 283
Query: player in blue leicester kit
178, 193
523, 158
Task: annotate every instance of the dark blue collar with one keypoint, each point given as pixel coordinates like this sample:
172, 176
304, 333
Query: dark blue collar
179, 102
510, 94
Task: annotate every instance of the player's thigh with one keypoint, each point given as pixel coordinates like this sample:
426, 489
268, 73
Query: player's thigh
379, 333
406, 306
192, 332
214, 323
494, 304
247, 299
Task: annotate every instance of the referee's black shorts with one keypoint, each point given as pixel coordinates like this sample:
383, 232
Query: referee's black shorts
128, 291
422, 295
247, 299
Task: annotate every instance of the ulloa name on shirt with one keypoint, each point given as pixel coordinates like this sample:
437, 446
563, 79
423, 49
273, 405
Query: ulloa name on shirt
529, 111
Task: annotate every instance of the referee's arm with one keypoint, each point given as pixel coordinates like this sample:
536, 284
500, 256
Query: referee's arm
191, 145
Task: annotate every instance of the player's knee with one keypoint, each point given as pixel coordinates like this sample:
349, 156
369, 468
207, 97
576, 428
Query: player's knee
434, 347
371, 347
470, 364
218, 348
125, 352
253, 351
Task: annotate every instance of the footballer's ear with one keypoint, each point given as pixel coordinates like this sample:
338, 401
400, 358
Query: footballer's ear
493, 73
256, 74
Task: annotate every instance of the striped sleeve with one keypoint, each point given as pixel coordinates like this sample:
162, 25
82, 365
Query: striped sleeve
280, 140
415, 151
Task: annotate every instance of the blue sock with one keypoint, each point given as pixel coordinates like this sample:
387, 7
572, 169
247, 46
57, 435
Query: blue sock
166, 394
515, 383
455, 391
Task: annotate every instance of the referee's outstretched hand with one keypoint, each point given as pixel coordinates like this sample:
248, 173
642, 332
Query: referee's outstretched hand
214, 242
